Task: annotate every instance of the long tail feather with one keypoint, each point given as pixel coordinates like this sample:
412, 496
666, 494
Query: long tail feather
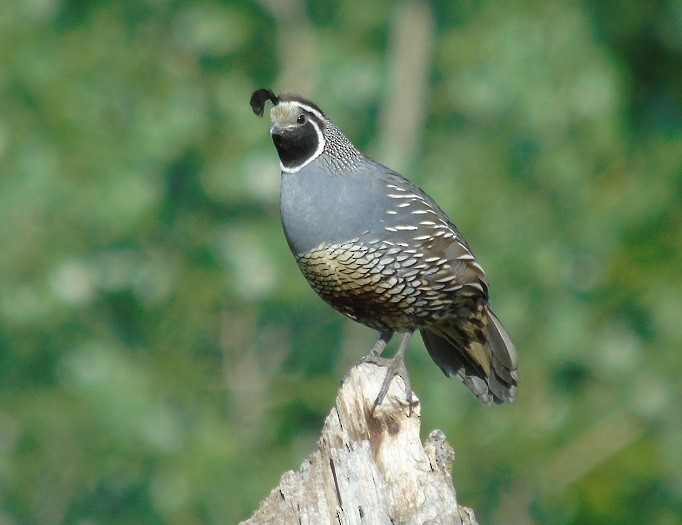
489, 370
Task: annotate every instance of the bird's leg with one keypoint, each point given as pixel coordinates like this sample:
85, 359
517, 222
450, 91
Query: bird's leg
380, 345
394, 367
374, 355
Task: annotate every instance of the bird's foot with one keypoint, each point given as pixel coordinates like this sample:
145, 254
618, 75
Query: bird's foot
395, 366
374, 353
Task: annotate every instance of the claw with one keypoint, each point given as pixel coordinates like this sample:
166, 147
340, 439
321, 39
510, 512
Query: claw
395, 366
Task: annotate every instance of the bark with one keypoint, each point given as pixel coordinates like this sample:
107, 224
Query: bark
370, 466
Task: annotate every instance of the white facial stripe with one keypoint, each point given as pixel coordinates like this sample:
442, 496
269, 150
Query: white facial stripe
307, 108
320, 144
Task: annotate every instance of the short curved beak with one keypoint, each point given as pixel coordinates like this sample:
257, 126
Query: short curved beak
277, 135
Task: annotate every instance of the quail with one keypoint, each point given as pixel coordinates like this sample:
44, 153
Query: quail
381, 251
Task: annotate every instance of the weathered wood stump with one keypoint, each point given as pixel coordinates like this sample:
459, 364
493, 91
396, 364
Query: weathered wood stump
370, 466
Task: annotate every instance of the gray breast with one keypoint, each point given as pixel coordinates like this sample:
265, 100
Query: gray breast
321, 206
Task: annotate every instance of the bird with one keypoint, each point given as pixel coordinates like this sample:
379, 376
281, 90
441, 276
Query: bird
380, 250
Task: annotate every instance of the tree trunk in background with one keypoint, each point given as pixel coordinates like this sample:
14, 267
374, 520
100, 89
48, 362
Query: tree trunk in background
370, 468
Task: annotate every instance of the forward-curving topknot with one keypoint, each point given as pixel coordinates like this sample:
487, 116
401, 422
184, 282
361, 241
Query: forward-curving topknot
258, 99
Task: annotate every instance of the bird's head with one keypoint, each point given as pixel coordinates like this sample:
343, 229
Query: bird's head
297, 127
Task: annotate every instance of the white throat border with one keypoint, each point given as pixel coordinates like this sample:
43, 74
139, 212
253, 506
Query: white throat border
321, 142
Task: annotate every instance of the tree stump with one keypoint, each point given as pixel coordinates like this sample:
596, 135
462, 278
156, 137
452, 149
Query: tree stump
370, 466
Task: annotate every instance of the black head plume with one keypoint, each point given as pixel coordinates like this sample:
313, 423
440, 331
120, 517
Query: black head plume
258, 99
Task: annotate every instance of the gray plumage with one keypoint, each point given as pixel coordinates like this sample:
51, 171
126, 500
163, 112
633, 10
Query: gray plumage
381, 251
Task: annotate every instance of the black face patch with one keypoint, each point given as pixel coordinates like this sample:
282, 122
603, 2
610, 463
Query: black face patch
296, 145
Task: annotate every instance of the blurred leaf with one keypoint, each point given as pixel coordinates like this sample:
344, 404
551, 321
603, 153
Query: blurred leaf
162, 360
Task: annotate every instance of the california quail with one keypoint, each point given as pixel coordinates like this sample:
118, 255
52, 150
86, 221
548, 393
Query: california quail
381, 251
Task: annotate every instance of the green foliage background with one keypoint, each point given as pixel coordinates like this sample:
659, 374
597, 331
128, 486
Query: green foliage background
161, 358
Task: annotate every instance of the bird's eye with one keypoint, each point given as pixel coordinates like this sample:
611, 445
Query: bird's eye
300, 119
